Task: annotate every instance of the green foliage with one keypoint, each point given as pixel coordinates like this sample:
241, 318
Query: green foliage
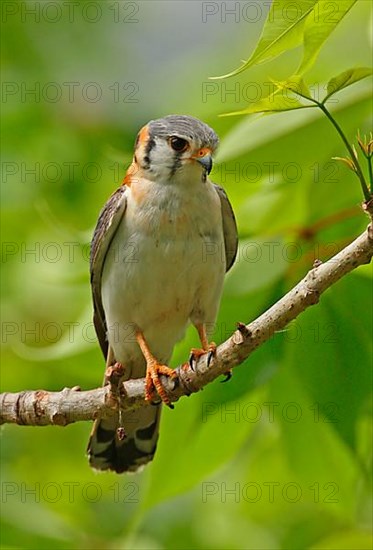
288, 25
290, 434
318, 27
306, 27
345, 79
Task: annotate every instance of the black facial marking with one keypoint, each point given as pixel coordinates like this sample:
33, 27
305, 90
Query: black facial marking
148, 148
177, 164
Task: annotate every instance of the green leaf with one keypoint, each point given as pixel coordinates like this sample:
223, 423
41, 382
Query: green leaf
283, 99
295, 84
277, 102
290, 24
255, 132
338, 333
283, 30
345, 79
249, 133
314, 451
318, 26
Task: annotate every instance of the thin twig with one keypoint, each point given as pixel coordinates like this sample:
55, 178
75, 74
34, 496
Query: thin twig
40, 408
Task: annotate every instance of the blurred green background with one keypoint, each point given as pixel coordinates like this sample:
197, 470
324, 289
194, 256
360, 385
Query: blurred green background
278, 458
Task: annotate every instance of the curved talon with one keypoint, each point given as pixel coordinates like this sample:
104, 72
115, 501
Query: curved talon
210, 356
196, 353
191, 361
228, 375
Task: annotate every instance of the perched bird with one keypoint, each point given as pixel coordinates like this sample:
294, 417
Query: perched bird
162, 245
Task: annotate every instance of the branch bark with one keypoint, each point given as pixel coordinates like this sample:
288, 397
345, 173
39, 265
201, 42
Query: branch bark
40, 408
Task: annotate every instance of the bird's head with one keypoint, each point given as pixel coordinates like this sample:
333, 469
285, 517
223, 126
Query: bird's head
175, 148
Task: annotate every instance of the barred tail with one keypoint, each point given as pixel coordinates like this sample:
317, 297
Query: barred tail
109, 449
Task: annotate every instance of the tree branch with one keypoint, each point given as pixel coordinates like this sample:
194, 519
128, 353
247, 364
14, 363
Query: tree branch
40, 408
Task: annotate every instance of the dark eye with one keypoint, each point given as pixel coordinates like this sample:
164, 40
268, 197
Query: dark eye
178, 144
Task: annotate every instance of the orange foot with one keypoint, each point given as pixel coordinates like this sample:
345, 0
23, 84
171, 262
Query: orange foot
153, 383
153, 371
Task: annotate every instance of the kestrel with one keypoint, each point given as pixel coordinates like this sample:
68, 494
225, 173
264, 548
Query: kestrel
162, 245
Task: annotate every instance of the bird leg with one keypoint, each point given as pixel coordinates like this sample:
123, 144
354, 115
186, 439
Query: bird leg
153, 370
207, 347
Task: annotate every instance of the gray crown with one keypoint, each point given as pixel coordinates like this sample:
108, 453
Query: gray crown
186, 127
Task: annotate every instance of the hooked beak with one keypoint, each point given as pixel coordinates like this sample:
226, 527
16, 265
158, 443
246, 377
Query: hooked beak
206, 162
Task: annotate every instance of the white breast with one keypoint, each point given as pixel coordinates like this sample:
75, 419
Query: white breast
165, 266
